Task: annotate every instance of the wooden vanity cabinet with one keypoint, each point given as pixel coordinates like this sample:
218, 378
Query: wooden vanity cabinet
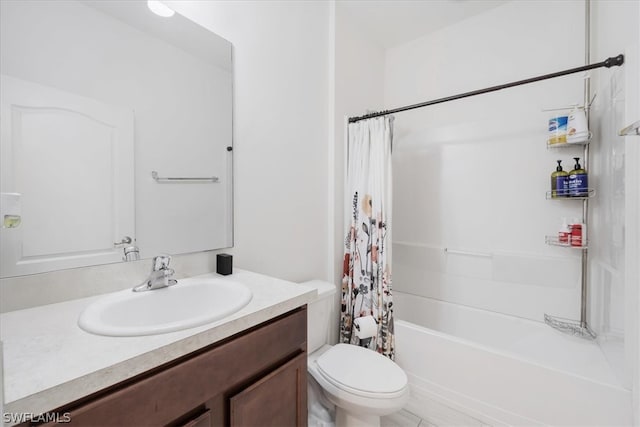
255, 378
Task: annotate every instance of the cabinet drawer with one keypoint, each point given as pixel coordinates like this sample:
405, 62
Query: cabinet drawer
202, 420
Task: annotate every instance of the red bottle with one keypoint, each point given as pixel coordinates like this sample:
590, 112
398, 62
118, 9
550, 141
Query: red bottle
576, 235
565, 232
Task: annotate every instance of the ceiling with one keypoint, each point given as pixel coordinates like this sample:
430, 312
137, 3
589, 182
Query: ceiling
177, 30
392, 22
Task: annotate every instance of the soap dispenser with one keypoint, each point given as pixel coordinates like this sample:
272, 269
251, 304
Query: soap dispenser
559, 182
578, 181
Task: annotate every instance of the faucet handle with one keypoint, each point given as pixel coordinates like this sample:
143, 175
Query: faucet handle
160, 262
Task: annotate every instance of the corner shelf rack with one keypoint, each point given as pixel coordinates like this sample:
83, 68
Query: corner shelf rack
578, 328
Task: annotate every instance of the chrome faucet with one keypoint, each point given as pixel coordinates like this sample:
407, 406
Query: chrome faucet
160, 276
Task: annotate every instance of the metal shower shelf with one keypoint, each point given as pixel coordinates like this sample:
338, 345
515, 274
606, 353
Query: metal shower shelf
569, 326
555, 241
566, 195
570, 144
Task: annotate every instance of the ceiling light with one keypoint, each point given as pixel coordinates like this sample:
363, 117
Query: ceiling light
160, 9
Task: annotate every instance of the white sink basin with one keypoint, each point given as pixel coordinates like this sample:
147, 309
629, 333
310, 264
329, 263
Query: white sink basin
192, 302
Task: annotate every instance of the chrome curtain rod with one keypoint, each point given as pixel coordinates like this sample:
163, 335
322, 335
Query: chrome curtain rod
614, 61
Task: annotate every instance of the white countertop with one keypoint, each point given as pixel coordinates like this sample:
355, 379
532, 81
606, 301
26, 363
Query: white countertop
49, 361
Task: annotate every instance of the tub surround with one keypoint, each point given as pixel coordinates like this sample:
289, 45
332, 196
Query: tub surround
49, 361
501, 370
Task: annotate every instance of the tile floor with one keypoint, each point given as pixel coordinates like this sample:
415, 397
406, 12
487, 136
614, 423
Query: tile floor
403, 419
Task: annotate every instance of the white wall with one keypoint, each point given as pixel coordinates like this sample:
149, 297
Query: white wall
281, 54
615, 31
471, 175
615, 299
281, 57
358, 87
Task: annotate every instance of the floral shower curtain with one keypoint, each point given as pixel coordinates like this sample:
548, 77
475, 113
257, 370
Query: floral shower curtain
366, 278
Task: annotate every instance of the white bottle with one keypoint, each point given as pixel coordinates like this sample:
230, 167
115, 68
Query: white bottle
577, 128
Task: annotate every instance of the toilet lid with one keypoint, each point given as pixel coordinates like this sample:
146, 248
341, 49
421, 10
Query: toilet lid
361, 371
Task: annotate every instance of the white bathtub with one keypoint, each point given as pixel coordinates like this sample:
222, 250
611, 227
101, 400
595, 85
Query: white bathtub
474, 367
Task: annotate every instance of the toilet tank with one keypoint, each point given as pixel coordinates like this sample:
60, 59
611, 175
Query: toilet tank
320, 314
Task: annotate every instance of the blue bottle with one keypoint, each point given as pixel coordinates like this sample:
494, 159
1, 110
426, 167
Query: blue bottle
578, 181
559, 182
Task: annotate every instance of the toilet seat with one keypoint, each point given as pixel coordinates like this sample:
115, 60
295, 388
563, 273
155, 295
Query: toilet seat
345, 387
347, 394
353, 369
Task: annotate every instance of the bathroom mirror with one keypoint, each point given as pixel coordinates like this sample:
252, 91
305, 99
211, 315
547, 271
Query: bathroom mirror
116, 132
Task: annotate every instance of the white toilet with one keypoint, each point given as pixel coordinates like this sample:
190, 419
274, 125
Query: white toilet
362, 384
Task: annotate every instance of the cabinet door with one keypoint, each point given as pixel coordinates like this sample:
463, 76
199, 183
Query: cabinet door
278, 399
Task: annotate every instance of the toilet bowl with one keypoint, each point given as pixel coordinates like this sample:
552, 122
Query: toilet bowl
362, 384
